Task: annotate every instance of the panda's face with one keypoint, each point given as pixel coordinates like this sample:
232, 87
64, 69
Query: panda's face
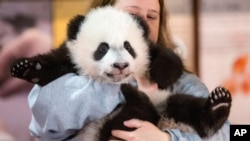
110, 46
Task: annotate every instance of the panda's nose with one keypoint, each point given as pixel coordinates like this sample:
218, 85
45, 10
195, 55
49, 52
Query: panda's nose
120, 66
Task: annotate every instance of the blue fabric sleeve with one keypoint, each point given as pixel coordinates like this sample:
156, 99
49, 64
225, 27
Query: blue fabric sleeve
63, 106
221, 135
190, 84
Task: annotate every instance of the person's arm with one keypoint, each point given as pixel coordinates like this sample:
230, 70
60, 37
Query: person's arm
220, 135
145, 131
188, 84
13, 85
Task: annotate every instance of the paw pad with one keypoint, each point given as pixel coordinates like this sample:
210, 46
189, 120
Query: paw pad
220, 97
26, 69
19, 68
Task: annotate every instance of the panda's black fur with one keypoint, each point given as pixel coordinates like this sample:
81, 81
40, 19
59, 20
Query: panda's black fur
204, 115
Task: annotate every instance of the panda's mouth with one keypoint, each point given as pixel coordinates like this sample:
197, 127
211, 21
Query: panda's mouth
116, 77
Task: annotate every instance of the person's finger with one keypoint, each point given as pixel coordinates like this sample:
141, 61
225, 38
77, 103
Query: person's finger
125, 135
134, 123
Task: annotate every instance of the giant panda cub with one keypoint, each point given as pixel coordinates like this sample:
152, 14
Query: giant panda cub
110, 45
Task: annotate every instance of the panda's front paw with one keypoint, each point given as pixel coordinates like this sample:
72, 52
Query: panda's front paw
26, 69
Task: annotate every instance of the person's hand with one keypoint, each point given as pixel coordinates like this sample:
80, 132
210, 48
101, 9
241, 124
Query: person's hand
145, 131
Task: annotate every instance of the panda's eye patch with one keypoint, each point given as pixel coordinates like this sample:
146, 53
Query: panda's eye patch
129, 48
127, 45
103, 48
101, 51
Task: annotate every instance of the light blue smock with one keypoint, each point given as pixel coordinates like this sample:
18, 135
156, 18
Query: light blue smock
63, 106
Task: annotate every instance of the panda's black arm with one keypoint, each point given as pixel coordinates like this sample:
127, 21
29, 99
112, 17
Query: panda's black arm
165, 66
44, 68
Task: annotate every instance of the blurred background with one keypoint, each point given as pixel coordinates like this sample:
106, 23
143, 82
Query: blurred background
213, 37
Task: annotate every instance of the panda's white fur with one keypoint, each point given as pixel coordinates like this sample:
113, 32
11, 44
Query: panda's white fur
89, 37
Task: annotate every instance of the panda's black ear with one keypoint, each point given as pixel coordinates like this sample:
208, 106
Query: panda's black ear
74, 27
143, 25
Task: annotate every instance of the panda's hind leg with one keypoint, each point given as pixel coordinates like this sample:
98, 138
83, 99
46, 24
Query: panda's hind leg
219, 103
216, 112
205, 115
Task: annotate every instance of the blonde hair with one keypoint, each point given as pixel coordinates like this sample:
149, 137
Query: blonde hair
164, 36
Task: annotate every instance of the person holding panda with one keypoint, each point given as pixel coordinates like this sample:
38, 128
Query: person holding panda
153, 12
